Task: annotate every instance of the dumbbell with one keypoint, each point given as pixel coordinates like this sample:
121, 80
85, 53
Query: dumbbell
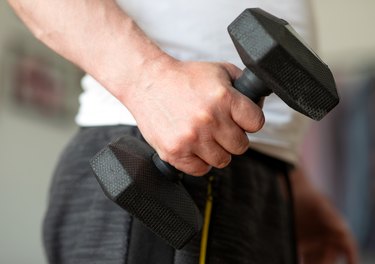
131, 173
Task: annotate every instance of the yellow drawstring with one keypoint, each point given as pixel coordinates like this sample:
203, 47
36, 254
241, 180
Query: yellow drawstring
206, 223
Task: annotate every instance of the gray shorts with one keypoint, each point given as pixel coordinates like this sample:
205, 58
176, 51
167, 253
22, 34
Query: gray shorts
250, 221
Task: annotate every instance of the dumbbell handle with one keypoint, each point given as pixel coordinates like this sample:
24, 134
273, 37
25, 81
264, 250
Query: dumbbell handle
250, 86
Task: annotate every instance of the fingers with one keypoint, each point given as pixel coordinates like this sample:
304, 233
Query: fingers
217, 135
193, 165
246, 113
197, 159
214, 154
208, 155
232, 138
233, 71
199, 120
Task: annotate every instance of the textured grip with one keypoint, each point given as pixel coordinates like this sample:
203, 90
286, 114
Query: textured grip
251, 86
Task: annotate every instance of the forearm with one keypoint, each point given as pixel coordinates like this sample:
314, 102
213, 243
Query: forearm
187, 111
96, 35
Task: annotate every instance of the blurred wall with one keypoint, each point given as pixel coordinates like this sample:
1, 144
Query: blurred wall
29, 147
346, 44
340, 148
345, 31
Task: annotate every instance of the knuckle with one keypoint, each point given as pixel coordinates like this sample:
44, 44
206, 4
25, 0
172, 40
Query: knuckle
193, 165
181, 143
241, 147
248, 114
188, 136
171, 148
222, 95
204, 118
222, 162
200, 171
259, 120
244, 143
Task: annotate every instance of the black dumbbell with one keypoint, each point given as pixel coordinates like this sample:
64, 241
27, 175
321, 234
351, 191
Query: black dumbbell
277, 60
133, 176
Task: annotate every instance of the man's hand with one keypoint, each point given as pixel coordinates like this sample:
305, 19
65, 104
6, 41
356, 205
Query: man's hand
190, 113
323, 236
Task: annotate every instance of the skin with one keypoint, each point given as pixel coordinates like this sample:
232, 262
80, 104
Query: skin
201, 118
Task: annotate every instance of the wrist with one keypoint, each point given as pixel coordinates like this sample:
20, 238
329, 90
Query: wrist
126, 59
150, 71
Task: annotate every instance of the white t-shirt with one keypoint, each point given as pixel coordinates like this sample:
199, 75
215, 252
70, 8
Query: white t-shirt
197, 30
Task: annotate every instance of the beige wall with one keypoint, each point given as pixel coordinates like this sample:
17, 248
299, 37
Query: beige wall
29, 148
345, 30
